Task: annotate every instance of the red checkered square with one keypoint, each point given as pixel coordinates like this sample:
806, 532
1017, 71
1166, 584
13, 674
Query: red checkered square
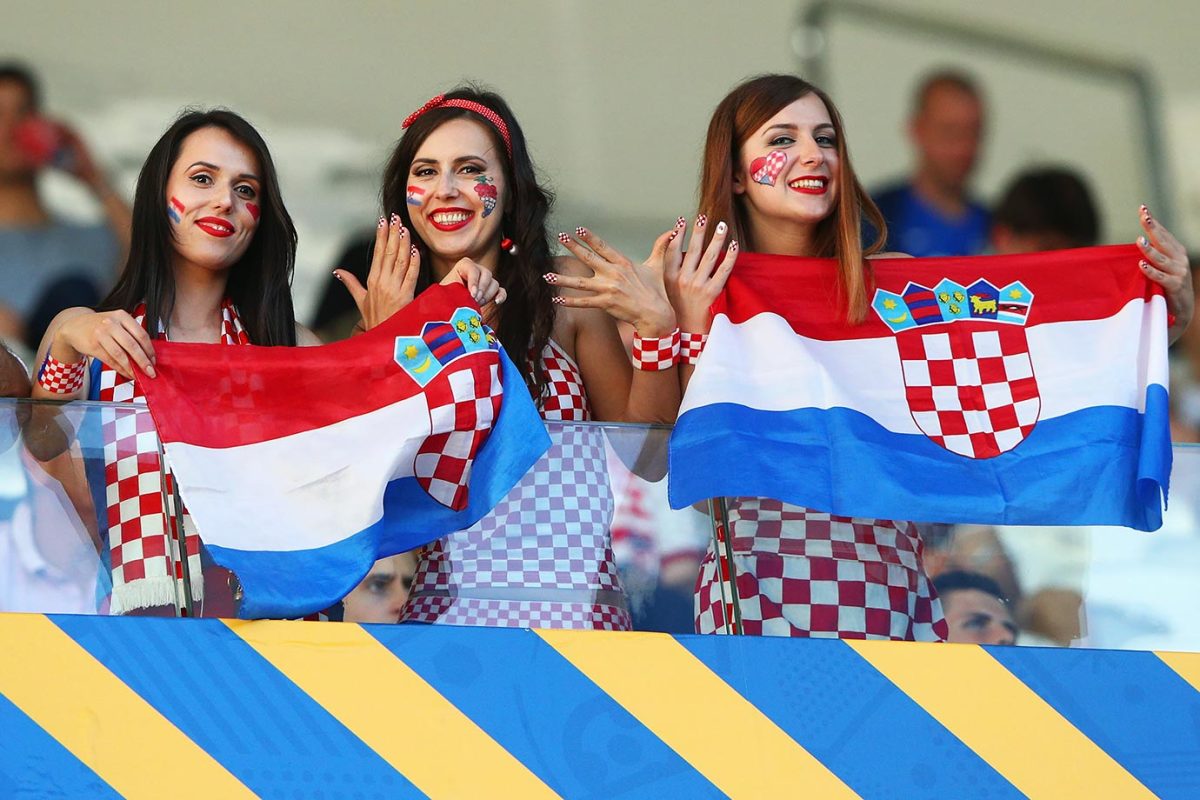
463, 404
145, 570
653, 355
60, 378
806, 573
970, 389
691, 345
564, 397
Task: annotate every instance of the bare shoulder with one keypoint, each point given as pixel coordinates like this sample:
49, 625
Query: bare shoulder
306, 338
889, 255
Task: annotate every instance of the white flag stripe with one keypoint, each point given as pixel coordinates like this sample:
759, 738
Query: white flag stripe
331, 480
1079, 364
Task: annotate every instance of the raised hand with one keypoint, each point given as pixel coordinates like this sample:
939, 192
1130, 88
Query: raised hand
392, 279
696, 278
633, 293
479, 280
1166, 263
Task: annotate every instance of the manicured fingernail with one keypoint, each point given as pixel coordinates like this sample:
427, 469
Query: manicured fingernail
413, 249
558, 301
150, 371
382, 222
562, 237
701, 221
1144, 264
581, 232
681, 222
721, 227
336, 275
671, 238
550, 277
733, 245
395, 219
403, 230
1143, 241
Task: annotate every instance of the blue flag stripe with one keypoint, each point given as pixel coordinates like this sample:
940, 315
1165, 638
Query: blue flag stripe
31, 761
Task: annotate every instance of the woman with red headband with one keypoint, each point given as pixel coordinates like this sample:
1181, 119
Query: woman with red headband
462, 181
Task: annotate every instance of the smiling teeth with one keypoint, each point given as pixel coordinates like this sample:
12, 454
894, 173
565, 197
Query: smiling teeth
807, 183
450, 218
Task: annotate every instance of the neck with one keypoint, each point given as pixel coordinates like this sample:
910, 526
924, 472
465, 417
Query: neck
441, 265
196, 315
798, 239
20, 204
950, 200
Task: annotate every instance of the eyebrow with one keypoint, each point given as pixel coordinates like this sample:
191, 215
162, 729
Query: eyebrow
787, 126
458, 160
249, 175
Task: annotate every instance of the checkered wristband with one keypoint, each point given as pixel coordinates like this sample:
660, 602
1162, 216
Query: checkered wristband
653, 355
691, 345
60, 378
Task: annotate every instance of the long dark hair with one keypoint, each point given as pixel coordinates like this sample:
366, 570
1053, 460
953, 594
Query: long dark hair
259, 283
527, 317
743, 111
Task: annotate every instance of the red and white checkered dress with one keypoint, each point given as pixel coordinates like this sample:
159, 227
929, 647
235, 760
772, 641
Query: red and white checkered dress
142, 575
806, 573
543, 557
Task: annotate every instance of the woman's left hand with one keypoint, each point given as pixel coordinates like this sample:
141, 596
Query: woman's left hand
1166, 263
633, 293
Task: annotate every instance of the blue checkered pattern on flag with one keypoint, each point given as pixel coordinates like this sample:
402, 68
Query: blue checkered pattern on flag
1027, 390
303, 465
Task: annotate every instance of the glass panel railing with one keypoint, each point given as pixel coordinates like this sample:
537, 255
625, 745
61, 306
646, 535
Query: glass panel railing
586, 539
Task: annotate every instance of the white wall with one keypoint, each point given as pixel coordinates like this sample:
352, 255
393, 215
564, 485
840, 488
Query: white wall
614, 96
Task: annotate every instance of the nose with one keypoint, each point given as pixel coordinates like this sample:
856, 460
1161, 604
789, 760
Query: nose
223, 197
1000, 635
811, 154
447, 186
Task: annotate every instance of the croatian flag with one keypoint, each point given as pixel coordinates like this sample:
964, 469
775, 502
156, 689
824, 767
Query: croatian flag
1024, 390
303, 465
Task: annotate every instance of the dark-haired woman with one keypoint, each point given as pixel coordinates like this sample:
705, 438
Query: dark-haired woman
463, 182
210, 261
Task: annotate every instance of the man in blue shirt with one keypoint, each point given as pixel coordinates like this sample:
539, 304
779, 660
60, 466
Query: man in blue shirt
932, 214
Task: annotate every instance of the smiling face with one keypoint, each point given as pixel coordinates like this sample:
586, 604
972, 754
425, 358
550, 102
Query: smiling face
212, 199
787, 170
456, 192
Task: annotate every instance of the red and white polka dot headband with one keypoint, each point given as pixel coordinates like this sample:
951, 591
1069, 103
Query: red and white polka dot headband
441, 102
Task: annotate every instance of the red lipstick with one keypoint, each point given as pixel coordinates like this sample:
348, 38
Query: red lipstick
452, 218
215, 226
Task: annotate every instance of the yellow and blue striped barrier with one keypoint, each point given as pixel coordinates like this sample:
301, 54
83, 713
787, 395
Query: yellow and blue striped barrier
104, 707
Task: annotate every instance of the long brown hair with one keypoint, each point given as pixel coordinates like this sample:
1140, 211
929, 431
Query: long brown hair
527, 318
743, 111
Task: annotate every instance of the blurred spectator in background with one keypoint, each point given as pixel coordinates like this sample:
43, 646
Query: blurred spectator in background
381, 595
48, 264
976, 609
931, 213
1045, 208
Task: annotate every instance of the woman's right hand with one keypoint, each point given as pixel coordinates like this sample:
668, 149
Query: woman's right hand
694, 279
114, 337
392, 280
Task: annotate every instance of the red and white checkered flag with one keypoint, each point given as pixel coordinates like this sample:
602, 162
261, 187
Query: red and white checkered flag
463, 405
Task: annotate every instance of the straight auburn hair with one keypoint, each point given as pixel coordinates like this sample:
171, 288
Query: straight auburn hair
737, 117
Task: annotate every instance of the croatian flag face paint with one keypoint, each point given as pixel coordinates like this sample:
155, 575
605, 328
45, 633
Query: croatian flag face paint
175, 210
766, 169
416, 195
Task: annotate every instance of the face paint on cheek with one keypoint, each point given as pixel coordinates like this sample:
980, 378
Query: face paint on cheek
416, 195
254, 210
175, 210
766, 169
486, 189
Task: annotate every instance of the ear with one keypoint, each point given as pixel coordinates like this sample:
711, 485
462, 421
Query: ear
739, 184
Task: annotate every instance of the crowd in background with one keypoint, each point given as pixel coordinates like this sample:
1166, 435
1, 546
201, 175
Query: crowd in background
48, 264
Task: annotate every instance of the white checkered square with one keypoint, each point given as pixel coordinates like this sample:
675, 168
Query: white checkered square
653, 355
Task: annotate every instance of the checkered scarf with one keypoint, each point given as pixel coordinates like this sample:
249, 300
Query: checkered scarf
145, 572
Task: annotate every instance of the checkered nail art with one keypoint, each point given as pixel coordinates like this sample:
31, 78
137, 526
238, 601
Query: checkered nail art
382, 222
701, 221
550, 277
680, 222
564, 238
558, 301
581, 231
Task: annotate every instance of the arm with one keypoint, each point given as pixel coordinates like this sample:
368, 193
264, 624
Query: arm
606, 284
14, 378
80, 333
